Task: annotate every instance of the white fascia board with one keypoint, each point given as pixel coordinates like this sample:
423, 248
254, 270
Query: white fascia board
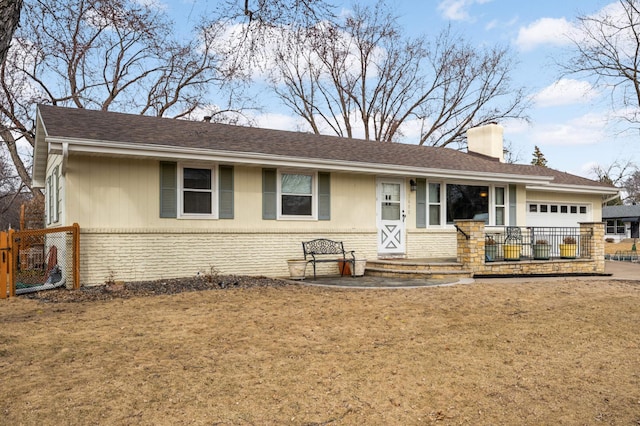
253, 158
39, 165
581, 189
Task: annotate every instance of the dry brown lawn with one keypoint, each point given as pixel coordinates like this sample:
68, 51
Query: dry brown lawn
626, 245
531, 353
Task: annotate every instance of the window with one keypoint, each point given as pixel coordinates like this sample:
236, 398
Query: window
467, 202
554, 209
53, 201
574, 209
533, 208
197, 191
563, 209
58, 194
583, 209
49, 202
499, 206
296, 194
290, 194
615, 226
544, 208
434, 204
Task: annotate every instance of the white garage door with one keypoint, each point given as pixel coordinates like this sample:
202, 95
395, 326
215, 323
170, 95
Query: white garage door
557, 214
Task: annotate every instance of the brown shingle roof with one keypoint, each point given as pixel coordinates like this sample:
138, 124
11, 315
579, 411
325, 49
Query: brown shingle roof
103, 126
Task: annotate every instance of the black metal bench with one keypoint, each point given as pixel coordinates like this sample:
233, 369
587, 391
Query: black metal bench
324, 250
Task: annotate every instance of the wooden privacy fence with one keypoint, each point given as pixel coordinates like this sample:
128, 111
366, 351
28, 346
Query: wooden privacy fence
39, 259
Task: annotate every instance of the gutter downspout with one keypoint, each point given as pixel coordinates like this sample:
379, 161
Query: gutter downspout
65, 157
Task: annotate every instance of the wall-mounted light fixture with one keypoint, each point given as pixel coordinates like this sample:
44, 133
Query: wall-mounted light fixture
413, 185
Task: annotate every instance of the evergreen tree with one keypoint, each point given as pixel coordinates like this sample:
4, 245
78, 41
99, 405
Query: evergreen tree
538, 158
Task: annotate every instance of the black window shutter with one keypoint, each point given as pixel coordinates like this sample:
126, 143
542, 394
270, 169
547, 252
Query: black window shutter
168, 189
225, 192
269, 193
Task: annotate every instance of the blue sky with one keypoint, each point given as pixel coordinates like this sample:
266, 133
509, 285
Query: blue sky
568, 118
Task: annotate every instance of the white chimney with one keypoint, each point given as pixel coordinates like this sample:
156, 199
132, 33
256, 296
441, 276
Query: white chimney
487, 140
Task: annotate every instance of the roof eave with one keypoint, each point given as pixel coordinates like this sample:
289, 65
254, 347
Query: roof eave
251, 158
582, 189
40, 155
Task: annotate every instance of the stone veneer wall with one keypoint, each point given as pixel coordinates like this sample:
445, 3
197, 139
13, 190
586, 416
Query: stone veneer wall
471, 253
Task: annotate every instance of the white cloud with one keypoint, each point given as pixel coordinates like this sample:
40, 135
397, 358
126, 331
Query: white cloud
491, 24
565, 92
458, 10
545, 31
588, 129
281, 122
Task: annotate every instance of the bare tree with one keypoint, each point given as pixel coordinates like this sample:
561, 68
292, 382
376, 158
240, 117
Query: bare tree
9, 20
283, 12
363, 73
615, 173
606, 48
619, 173
11, 195
632, 188
117, 55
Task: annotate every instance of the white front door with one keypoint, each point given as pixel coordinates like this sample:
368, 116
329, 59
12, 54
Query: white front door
390, 216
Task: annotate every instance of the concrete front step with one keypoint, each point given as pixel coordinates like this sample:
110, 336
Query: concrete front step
403, 273
416, 269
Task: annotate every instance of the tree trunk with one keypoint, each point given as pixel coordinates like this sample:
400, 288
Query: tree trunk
9, 20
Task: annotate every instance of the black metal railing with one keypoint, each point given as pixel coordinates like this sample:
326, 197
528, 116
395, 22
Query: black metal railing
512, 243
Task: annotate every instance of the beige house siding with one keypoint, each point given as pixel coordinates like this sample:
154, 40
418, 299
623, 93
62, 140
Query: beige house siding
116, 202
521, 207
124, 193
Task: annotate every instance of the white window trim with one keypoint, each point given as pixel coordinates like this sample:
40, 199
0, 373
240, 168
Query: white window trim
47, 204
214, 191
56, 194
559, 204
442, 204
314, 194
493, 206
53, 201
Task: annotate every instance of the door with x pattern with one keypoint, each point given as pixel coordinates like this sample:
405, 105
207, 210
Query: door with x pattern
391, 217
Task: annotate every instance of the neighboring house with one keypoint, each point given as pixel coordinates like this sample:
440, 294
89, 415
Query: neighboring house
621, 222
159, 198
